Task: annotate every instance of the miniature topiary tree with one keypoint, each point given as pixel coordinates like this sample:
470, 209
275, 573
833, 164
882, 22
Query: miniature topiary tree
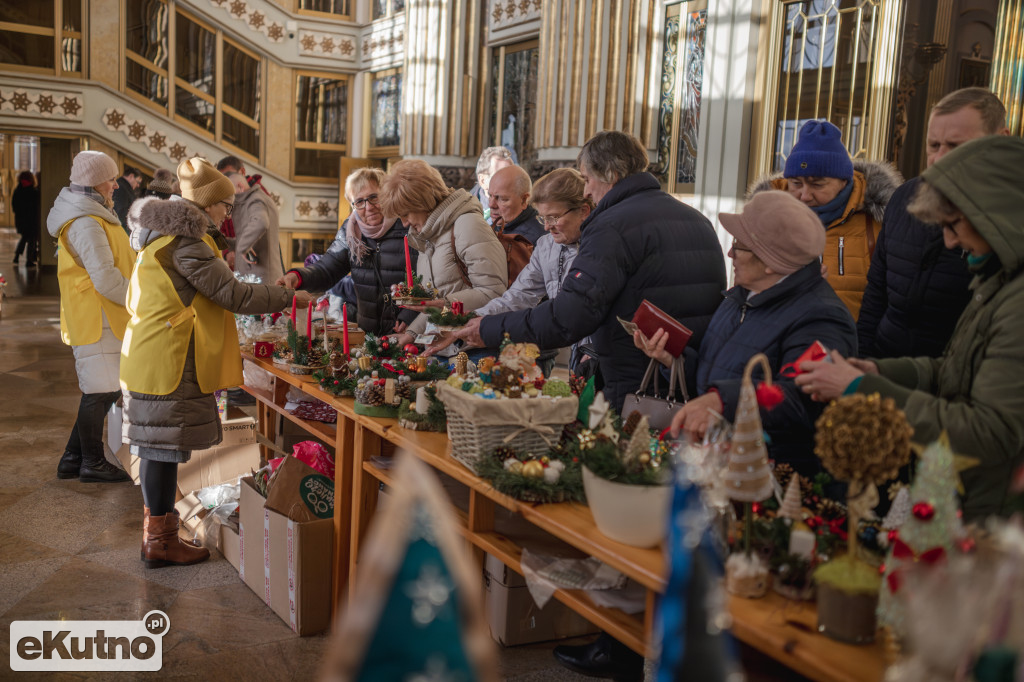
862, 439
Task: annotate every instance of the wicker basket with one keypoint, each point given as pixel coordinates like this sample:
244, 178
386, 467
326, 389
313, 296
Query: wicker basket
477, 426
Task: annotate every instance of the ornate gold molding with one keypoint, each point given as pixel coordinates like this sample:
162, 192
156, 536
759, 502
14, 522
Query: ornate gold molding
1008, 63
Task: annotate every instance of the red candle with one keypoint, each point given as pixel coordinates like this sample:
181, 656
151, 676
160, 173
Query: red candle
294, 301
344, 327
408, 263
309, 324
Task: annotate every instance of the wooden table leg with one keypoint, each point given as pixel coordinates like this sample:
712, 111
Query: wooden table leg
366, 444
343, 471
481, 519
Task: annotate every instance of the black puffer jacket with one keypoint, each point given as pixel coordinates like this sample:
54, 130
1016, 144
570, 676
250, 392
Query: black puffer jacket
916, 290
386, 255
639, 243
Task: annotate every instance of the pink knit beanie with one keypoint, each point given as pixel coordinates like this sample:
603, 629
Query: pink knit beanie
91, 168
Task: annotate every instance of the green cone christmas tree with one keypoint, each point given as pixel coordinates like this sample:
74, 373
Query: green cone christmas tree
926, 536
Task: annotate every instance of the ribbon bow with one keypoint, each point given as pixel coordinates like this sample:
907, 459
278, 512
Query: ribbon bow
902, 550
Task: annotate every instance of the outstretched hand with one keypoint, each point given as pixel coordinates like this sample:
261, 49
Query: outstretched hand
827, 380
469, 334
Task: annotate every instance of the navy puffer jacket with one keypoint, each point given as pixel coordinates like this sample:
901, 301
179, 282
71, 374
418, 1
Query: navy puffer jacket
639, 243
781, 322
916, 290
388, 254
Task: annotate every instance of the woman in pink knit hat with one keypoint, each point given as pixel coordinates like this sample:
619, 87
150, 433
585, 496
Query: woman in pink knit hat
94, 262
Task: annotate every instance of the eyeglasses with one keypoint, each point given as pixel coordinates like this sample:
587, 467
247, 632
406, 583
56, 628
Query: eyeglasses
951, 225
553, 219
372, 199
227, 207
736, 246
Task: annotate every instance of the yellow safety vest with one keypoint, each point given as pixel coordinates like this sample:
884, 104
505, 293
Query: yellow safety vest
80, 303
156, 343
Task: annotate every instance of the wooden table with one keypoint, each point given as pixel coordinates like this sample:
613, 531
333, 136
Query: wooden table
782, 629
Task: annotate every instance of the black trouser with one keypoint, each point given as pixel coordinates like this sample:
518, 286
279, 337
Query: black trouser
87, 434
31, 240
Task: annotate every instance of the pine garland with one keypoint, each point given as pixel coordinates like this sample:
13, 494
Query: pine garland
568, 488
340, 386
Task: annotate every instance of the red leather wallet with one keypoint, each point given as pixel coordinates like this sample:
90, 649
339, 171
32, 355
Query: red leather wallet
650, 318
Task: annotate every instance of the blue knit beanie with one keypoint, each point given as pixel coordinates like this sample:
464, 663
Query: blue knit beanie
819, 153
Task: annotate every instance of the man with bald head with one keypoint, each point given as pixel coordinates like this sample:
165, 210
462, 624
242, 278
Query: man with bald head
509, 192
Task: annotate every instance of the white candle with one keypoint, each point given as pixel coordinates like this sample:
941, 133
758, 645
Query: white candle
422, 402
801, 543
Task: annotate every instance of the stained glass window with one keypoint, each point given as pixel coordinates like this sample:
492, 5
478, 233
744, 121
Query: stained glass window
514, 99
386, 117
682, 75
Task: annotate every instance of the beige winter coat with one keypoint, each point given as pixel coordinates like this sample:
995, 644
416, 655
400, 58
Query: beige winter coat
256, 230
476, 246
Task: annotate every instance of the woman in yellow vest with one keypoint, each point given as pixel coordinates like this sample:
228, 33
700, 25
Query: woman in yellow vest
181, 344
94, 261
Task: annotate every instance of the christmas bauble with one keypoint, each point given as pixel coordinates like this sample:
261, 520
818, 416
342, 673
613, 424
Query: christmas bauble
533, 469
924, 511
411, 349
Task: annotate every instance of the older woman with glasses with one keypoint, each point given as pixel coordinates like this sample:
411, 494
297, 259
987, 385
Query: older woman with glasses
371, 247
561, 209
779, 306
460, 255
973, 392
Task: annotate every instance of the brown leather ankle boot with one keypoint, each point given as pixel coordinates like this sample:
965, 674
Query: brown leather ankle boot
161, 545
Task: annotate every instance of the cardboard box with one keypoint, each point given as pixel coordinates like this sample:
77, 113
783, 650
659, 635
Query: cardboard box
229, 544
217, 465
236, 455
287, 564
239, 429
515, 619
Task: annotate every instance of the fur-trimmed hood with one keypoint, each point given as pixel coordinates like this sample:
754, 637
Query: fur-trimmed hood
880, 180
152, 218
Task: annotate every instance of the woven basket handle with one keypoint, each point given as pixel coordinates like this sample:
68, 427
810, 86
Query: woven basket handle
761, 359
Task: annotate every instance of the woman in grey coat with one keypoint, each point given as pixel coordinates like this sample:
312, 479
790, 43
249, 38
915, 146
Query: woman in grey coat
181, 344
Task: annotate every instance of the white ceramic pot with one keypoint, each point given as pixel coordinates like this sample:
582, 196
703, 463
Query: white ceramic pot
635, 515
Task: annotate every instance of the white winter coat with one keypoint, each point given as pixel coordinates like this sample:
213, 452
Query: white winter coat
97, 364
476, 245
